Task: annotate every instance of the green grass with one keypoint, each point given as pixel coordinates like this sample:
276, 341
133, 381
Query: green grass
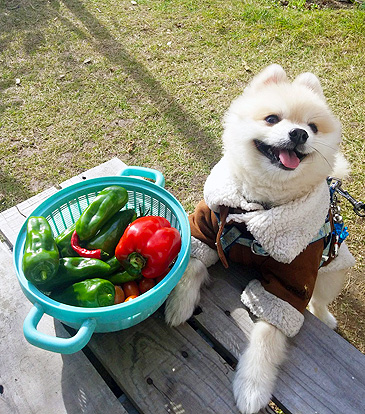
149, 83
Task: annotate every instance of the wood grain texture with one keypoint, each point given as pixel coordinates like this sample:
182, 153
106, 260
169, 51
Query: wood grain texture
38, 381
12, 219
166, 370
323, 373
34, 380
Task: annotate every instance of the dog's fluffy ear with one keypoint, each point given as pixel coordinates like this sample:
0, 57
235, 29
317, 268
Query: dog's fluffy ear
273, 74
310, 81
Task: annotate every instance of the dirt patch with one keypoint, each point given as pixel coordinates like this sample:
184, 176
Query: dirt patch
349, 310
324, 4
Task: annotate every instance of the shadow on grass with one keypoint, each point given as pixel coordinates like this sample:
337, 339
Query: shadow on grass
12, 191
32, 16
194, 136
16, 15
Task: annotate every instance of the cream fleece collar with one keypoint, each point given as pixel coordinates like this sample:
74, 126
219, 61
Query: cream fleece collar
283, 231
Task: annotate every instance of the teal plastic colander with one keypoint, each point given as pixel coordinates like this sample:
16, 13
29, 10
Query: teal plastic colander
146, 193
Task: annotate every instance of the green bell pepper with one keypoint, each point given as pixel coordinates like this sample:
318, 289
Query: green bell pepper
63, 241
111, 232
90, 293
121, 277
117, 274
108, 202
76, 269
114, 264
41, 258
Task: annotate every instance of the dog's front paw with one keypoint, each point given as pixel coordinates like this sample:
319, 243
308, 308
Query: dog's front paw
258, 367
177, 311
184, 298
250, 394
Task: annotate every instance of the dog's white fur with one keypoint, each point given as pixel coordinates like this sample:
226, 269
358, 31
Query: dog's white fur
297, 104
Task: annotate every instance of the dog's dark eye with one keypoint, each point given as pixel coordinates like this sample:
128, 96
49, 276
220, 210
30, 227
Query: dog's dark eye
272, 119
313, 127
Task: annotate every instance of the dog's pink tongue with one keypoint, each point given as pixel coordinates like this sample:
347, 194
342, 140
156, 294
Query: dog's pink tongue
289, 159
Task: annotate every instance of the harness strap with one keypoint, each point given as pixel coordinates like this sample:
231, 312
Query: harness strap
254, 245
231, 235
332, 232
223, 213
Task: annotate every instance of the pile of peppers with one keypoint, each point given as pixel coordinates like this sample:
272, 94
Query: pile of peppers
107, 256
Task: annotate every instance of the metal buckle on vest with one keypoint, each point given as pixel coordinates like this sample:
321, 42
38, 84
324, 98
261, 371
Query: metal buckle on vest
257, 249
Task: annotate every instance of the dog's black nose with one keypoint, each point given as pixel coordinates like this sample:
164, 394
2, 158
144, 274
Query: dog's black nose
298, 136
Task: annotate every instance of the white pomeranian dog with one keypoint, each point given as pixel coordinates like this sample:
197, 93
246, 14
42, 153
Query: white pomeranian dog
267, 204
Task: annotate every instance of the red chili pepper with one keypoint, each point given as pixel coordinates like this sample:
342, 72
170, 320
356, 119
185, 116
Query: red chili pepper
149, 244
81, 251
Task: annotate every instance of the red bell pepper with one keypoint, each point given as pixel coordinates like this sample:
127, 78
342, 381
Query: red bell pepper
149, 245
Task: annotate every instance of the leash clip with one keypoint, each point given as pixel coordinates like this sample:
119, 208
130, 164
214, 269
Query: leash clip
336, 186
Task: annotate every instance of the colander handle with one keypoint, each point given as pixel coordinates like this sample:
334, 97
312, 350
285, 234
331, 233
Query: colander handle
144, 172
55, 344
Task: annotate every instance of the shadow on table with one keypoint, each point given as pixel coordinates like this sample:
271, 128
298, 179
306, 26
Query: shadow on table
84, 389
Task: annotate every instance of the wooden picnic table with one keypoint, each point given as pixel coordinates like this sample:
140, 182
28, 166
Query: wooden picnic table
151, 368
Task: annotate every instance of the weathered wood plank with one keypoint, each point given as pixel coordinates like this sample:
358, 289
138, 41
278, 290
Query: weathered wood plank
108, 168
27, 206
10, 222
323, 373
167, 370
37, 381
329, 372
12, 219
163, 369
34, 380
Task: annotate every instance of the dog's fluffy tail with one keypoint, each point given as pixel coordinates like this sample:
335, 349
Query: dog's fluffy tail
341, 169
